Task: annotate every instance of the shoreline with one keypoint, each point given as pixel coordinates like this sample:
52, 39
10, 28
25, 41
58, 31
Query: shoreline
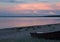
23, 33
41, 28
32, 26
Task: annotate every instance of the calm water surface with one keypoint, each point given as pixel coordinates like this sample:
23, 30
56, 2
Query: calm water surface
6, 22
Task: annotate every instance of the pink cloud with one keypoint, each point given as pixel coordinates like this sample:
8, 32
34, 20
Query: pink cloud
21, 8
32, 6
35, 6
57, 6
52, 13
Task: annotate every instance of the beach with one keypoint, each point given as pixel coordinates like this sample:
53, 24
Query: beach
22, 34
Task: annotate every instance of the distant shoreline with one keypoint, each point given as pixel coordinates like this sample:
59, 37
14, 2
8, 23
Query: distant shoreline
25, 16
33, 16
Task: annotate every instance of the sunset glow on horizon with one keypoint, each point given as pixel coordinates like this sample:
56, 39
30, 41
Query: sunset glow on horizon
34, 6
31, 8
19, 8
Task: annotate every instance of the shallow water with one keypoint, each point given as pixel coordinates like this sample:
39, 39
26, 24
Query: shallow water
7, 22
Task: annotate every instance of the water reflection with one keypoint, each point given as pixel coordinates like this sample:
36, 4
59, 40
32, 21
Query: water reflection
18, 22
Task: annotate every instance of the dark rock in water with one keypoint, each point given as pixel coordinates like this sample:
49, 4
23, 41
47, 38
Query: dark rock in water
46, 35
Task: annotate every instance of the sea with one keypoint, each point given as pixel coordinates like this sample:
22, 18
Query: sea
9, 22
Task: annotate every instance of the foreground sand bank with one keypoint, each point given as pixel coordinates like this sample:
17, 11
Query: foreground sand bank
24, 32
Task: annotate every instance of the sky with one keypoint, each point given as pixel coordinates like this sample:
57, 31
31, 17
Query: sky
29, 7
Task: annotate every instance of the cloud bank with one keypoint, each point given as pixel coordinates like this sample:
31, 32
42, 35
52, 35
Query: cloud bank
32, 8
